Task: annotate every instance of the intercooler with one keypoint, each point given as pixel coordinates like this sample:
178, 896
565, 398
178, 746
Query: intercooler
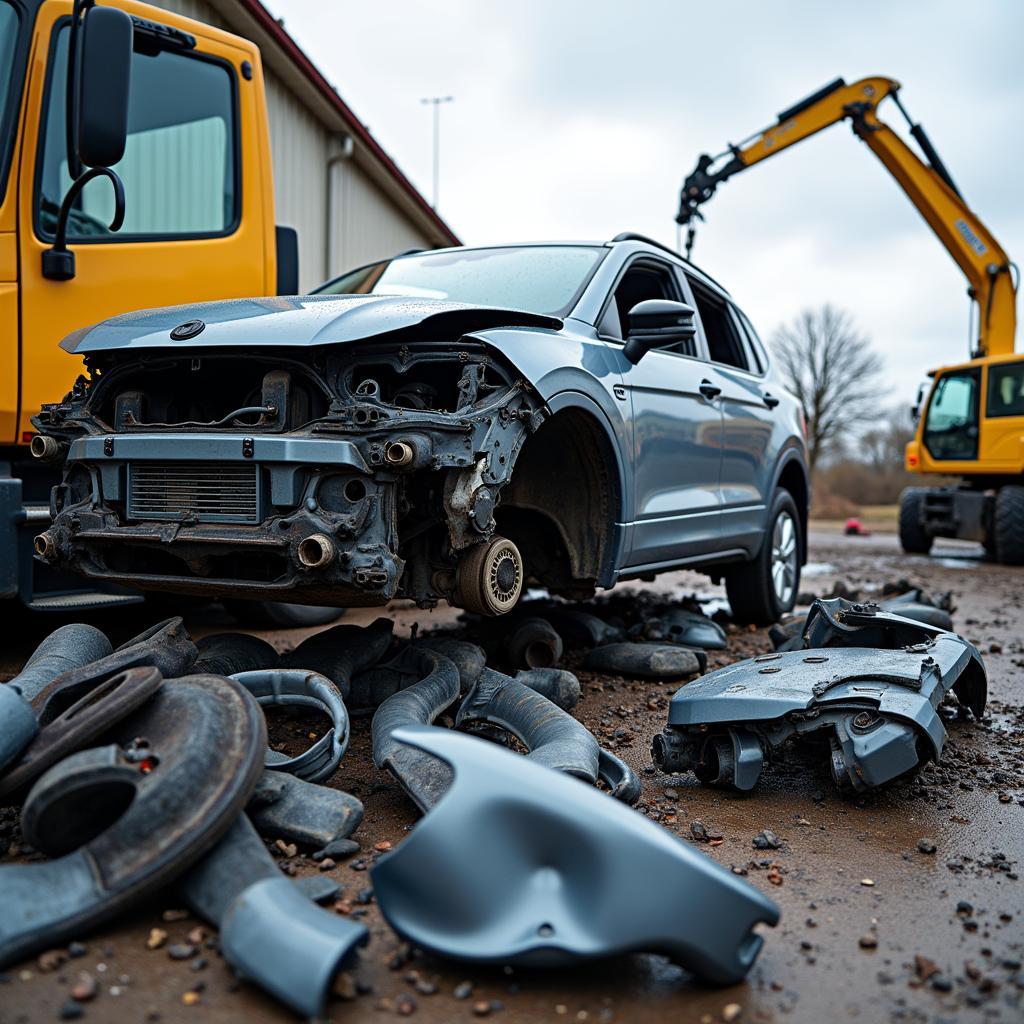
212, 492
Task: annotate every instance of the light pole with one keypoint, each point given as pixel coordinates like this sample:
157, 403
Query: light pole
435, 102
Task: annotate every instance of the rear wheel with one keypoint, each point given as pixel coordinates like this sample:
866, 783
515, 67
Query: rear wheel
1008, 525
763, 590
913, 538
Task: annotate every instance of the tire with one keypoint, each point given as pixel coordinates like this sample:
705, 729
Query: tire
751, 587
280, 615
1008, 525
913, 538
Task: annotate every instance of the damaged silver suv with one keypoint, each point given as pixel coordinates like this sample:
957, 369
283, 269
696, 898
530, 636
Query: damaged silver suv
452, 424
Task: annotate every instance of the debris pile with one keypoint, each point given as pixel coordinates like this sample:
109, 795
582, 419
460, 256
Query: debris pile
147, 768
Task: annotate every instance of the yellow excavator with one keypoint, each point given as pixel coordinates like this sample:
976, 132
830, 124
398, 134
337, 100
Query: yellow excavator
971, 425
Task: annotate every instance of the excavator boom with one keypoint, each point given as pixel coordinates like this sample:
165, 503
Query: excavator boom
926, 182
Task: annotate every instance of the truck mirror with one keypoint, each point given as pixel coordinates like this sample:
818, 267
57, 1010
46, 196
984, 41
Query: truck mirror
104, 78
99, 79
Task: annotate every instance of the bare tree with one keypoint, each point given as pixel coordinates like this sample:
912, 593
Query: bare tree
832, 371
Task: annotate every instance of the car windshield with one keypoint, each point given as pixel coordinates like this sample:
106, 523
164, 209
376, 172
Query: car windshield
537, 278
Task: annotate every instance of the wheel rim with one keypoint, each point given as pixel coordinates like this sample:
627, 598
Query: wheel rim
784, 558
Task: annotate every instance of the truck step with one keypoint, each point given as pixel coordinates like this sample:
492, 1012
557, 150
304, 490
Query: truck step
81, 601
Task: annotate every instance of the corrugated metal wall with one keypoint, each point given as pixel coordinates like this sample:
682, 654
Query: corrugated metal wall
367, 225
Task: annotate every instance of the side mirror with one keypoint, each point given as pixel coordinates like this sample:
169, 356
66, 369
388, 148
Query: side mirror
104, 78
655, 323
99, 80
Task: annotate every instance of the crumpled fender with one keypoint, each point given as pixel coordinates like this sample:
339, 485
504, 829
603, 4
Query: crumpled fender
557, 873
205, 738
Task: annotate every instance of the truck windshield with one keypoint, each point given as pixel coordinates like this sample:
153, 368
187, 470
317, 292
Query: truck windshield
951, 423
537, 278
9, 28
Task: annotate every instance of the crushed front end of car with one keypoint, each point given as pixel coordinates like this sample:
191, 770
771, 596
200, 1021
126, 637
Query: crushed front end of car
318, 450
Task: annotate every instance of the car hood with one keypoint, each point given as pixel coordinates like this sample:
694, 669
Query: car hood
305, 320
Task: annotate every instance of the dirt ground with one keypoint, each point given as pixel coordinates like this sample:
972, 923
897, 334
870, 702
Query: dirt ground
874, 927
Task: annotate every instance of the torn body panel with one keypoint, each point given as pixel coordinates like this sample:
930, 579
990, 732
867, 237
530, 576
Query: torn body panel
869, 681
345, 474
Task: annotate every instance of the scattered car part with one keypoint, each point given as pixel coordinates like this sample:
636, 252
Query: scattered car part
693, 629
557, 873
579, 628
18, 724
551, 737
559, 685
62, 732
198, 755
914, 605
270, 931
342, 651
284, 806
489, 577
166, 647
292, 687
422, 776
224, 654
66, 648
533, 643
646, 660
623, 783
470, 659
877, 705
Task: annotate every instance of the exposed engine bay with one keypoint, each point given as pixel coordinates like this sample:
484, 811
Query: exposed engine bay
331, 475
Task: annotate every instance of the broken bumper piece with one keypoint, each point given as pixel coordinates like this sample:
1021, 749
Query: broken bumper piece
869, 680
558, 873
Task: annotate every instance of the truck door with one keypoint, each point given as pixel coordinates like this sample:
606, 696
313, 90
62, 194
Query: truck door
951, 422
199, 210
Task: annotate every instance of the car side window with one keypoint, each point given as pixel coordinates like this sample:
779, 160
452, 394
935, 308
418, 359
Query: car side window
756, 345
644, 279
724, 342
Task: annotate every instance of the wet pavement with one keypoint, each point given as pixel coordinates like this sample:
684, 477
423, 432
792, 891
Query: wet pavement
903, 905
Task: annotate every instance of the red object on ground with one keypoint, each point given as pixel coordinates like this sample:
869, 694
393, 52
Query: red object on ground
853, 528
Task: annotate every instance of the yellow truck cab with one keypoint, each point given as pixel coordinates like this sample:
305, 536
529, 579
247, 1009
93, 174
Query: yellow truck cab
972, 427
198, 212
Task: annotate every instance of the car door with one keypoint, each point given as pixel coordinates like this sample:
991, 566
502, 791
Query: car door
676, 429
748, 419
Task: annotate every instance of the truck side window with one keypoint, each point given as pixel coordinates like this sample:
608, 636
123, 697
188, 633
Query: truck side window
724, 343
951, 423
1005, 390
179, 168
9, 29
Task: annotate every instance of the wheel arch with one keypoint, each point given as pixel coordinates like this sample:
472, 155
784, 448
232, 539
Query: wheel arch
574, 454
791, 475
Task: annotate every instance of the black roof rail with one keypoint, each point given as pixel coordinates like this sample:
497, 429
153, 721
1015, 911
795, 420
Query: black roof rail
635, 236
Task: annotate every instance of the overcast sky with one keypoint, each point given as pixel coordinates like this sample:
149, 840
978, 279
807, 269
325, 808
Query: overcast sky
580, 119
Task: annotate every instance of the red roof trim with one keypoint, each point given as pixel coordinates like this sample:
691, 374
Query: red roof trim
309, 69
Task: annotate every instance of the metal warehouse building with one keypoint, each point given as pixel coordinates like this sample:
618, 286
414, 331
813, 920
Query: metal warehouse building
333, 182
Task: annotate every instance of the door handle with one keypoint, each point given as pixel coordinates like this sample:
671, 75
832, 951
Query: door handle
770, 400
709, 390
